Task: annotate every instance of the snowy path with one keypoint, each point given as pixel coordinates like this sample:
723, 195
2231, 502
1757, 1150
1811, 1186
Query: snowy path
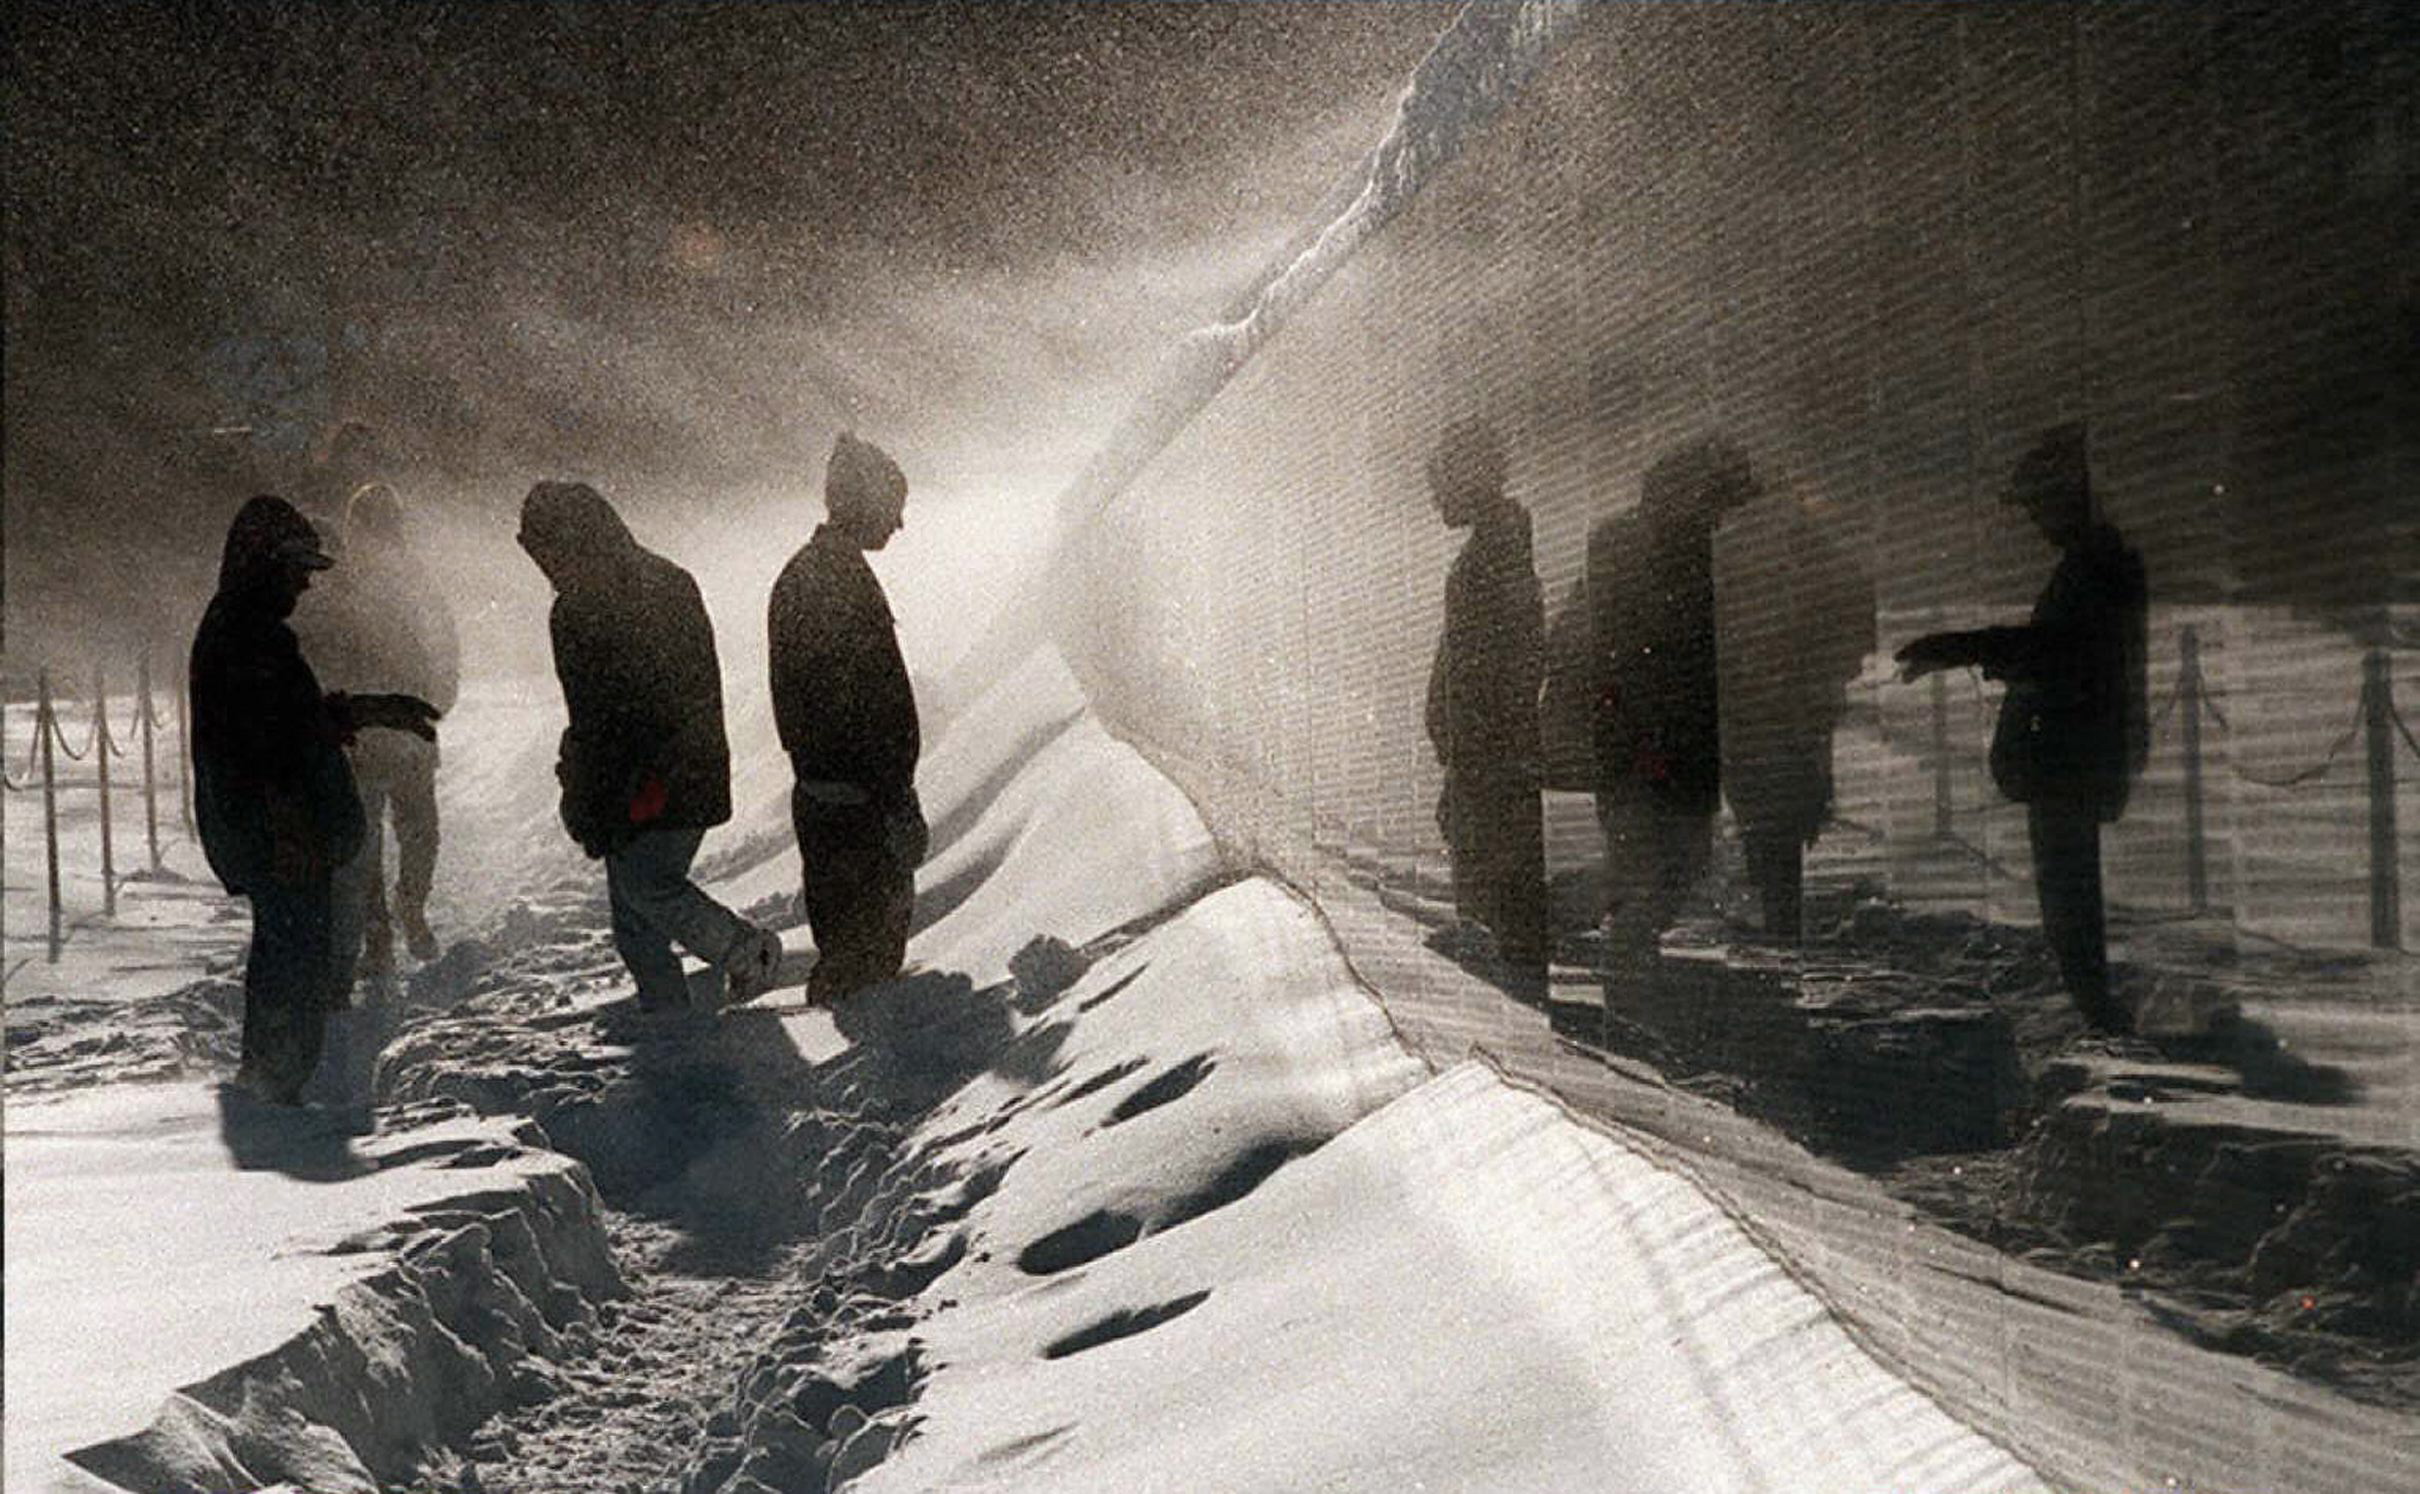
1129, 1184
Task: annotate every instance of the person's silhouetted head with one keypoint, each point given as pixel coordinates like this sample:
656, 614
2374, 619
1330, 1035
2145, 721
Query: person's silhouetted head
270, 554
1468, 470
1692, 487
864, 492
572, 533
2052, 483
373, 516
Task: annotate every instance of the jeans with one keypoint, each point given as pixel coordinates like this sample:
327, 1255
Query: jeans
656, 906
394, 772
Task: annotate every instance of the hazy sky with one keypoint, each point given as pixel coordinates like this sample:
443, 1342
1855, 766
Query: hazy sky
672, 248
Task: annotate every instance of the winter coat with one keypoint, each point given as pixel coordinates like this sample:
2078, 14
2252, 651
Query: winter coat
377, 623
634, 652
842, 703
1796, 622
1482, 712
1650, 591
2072, 727
268, 759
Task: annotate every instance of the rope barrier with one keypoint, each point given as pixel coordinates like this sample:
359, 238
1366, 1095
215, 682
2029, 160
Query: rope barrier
33, 755
58, 735
2404, 727
2317, 769
2175, 693
108, 738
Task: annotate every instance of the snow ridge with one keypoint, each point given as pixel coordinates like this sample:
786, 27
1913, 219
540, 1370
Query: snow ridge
413, 1356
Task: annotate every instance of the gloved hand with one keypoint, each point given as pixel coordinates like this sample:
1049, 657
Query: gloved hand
1928, 654
649, 800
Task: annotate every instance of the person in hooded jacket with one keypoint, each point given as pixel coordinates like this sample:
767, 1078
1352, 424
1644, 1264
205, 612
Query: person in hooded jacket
644, 767
1650, 586
381, 623
1795, 618
2072, 733
1482, 714
846, 714
274, 799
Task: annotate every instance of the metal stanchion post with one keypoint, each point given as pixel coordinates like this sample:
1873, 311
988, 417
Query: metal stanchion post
2378, 722
2189, 711
100, 763
1942, 825
184, 756
151, 793
47, 734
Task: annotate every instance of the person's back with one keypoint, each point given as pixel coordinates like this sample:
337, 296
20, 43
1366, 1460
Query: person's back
634, 652
644, 765
843, 705
2071, 726
846, 714
1650, 584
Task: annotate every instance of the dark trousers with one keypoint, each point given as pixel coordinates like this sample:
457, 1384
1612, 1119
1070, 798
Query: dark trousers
860, 895
2067, 877
287, 978
1777, 865
1496, 841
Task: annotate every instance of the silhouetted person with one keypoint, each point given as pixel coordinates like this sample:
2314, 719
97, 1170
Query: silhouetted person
1795, 620
2071, 734
274, 799
847, 718
1650, 582
1483, 700
644, 765
380, 622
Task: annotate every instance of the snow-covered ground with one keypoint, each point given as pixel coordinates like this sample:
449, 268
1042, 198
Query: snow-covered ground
1130, 1183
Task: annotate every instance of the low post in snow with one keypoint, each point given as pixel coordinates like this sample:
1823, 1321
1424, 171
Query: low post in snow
100, 763
151, 792
184, 756
2378, 726
46, 734
1941, 783
2189, 711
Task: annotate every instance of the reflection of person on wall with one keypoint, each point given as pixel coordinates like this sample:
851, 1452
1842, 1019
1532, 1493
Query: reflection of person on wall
2071, 734
1796, 620
1650, 583
1483, 699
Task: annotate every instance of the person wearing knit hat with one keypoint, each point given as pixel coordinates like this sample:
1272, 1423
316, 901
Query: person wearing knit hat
644, 765
2072, 732
385, 625
1482, 708
846, 714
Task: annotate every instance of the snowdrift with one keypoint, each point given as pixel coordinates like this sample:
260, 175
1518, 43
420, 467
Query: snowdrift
1127, 1183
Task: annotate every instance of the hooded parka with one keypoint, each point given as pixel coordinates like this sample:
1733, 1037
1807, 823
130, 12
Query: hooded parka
634, 651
